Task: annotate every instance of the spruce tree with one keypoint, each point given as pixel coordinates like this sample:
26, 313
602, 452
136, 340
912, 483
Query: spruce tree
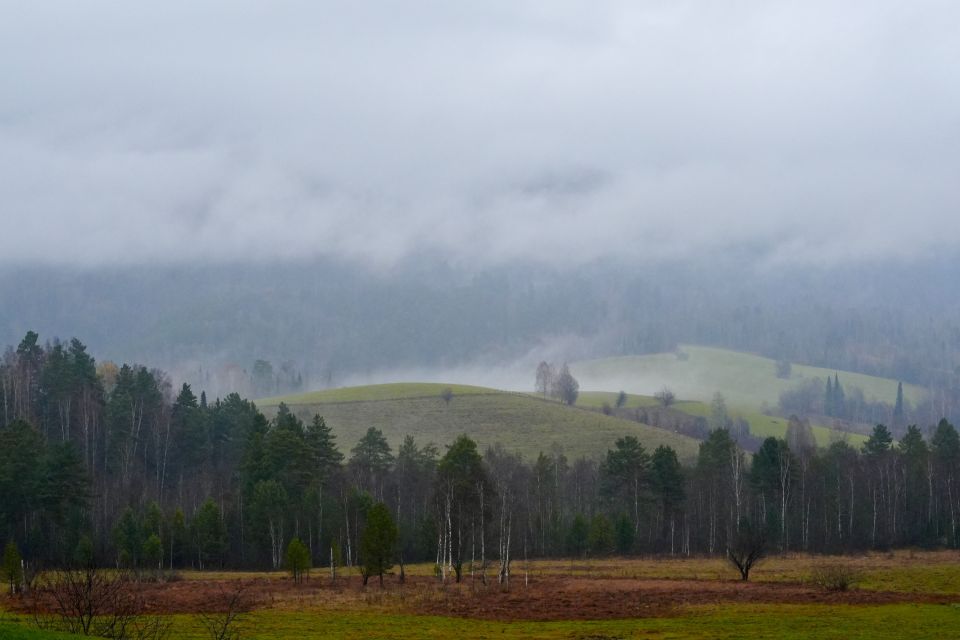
839, 401
12, 567
297, 560
377, 543
898, 407
828, 398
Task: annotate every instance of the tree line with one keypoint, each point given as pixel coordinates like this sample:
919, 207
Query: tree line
115, 464
832, 400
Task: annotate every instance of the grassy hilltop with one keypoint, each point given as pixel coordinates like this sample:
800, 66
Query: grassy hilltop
529, 424
520, 422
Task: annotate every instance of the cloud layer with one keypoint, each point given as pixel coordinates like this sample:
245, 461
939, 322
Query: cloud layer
554, 131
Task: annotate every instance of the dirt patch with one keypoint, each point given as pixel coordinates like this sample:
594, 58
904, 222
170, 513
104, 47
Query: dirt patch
545, 598
209, 596
558, 598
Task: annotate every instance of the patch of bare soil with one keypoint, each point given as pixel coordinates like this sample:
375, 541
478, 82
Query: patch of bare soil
545, 598
212, 596
561, 598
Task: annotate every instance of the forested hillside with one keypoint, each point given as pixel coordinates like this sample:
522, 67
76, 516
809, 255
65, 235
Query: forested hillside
329, 322
114, 462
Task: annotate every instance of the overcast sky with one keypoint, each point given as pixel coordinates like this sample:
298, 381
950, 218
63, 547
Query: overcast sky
484, 131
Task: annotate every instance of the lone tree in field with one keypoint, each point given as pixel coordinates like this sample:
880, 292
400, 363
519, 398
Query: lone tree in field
376, 545
749, 545
665, 397
621, 399
297, 560
545, 377
447, 395
567, 387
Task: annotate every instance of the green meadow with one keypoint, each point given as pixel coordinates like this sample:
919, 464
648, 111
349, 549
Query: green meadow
520, 422
696, 373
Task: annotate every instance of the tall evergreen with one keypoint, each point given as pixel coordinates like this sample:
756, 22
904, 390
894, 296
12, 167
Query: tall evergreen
377, 543
839, 400
898, 407
828, 400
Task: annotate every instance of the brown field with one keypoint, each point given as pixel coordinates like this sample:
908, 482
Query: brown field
574, 589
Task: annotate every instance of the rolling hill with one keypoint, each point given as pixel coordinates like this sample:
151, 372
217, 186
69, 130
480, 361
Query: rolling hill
761, 425
695, 373
520, 422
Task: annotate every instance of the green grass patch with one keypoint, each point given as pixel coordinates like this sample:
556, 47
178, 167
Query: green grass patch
943, 579
24, 629
596, 400
520, 422
783, 622
761, 425
376, 392
745, 379
764, 426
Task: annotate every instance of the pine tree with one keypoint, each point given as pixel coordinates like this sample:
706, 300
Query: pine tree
839, 400
623, 531
879, 441
12, 567
322, 443
600, 538
209, 536
828, 398
377, 543
372, 458
297, 560
577, 535
898, 407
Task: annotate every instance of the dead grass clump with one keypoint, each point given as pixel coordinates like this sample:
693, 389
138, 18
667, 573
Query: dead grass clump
835, 577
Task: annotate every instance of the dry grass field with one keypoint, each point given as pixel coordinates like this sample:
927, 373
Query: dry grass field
893, 595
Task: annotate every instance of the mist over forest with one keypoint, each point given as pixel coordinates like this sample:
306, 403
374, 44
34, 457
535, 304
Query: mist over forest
331, 322
521, 318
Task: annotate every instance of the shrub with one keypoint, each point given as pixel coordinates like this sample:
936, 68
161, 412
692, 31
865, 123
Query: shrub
835, 577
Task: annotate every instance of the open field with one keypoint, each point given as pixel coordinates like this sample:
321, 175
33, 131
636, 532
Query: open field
901, 594
746, 380
761, 425
764, 426
519, 422
529, 424
375, 392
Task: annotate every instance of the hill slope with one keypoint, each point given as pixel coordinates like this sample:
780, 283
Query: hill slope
761, 425
696, 373
519, 422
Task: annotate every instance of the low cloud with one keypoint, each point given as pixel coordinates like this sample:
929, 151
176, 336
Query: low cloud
560, 132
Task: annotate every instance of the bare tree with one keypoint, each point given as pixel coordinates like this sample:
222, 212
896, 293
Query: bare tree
231, 605
749, 545
94, 602
545, 378
665, 397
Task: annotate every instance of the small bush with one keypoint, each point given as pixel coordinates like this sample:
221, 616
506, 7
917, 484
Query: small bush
835, 577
